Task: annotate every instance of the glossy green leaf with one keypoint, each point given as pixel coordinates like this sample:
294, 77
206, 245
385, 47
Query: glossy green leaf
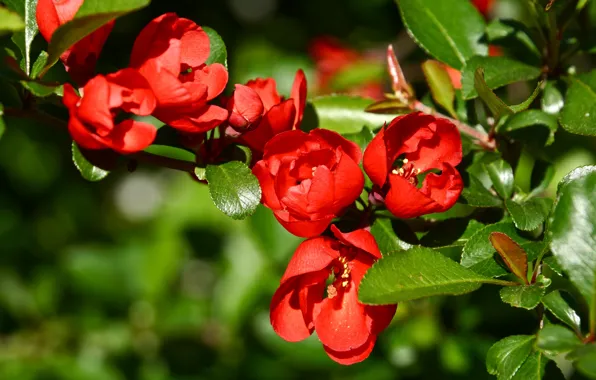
530, 214
87, 169
525, 297
39, 64
437, 27
92, 15
218, 52
557, 338
416, 273
479, 249
516, 37
552, 100
512, 254
501, 175
11, 22
579, 112
26, 9
41, 89
506, 356
478, 196
234, 189
345, 114
440, 85
532, 126
498, 72
572, 232
553, 265
532, 369
386, 238
496, 106
555, 303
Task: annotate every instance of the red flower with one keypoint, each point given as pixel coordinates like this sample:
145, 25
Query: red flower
260, 113
347, 328
79, 59
308, 179
422, 143
331, 58
91, 122
171, 53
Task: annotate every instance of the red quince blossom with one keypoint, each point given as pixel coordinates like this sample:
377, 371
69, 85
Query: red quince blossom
308, 179
258, 112
80, 59
423, 143
331, 58
347, 328
171, 52
91, 123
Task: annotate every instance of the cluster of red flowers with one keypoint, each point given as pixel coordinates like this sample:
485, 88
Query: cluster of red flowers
307, 179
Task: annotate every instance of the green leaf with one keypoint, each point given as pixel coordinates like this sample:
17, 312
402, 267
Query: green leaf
388, 106
584, 359
532, 369
386, 238
529, 126
528, 102
218, 52
345, 114
41, 89
561, 309
525, 297
26, 9
11, 22
478, 196
572, 232
505, 357
557, 338
362, 138
496, 106
438, 28
416, 273
515, 36
234, 189
39, 64
530, 214
498, 72
501, 175
478, 252
512, 254
553, 265
87, 169
440, 85
92, 15
552, 100
357, 74
579, 112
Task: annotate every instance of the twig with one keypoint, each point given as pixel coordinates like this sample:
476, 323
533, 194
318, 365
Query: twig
481, 138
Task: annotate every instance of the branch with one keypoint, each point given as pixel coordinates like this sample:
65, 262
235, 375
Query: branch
480, 138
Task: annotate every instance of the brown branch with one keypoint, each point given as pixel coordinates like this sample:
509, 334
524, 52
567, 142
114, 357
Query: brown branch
480, 138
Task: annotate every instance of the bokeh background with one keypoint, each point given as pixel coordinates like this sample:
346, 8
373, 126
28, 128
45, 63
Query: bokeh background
139, 276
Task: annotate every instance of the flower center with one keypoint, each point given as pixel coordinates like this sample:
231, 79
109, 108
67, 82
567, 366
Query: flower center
341, 276
408, 171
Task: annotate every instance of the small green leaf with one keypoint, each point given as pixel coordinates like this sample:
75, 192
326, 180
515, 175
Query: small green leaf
572, 229
525, 297
92, 15
512, 254
532, 369
416, 273
11, 22
88, 170
234, 189
579, 112
26, 9
501, 175
39, 64
386, 238
440, 85
436, 26
345, 114
506, 356
218, 52
561, 309
478, 253
528, 102
388, 107
553, 265
478, 196
530, 126
498, 72
552, 100
496, 106
530, 214
41, 89
557, 339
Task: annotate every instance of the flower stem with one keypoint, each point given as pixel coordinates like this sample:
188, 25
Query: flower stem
481, 138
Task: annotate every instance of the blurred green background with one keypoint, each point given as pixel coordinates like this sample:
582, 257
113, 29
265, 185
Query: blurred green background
141, 277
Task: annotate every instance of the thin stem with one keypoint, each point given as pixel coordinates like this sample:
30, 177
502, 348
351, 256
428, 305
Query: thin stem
481, 138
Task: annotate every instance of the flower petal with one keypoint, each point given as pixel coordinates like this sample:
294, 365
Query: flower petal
443, 147
267, 182
298, 95
303, 228
245, 106
338, 141
94, 107
375, 162
312, 255
194, 47
266, 89
135, 93
286, 315
132, 136
361, 239
404, 200
348, 182
352, 356
214, 76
